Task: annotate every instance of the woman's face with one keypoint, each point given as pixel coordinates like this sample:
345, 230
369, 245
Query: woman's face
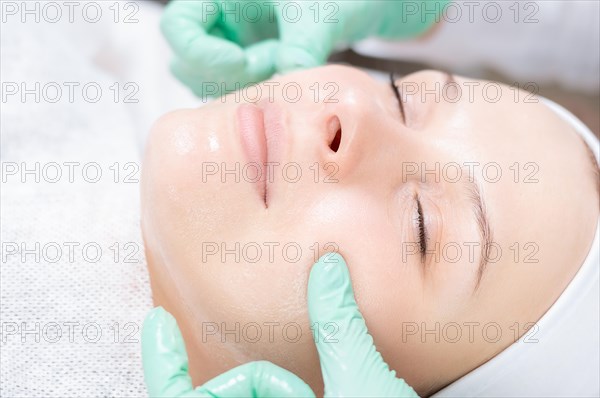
409, 198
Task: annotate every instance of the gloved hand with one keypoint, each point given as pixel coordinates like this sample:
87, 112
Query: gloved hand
166, 369
350, 363
220, 43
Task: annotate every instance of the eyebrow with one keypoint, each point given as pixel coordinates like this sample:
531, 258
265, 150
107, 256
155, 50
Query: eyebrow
483, 224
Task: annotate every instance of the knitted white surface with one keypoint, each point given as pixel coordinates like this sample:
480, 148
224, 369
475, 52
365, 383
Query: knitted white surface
79, 291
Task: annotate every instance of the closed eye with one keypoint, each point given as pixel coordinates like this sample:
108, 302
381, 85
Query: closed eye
421, 227
398, 95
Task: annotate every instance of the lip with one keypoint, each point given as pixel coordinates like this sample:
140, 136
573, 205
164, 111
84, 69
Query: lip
261, 131
252, 131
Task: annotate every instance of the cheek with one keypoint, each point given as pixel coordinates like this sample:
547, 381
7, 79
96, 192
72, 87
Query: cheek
388, 290
352, 220
386, 287
192, 178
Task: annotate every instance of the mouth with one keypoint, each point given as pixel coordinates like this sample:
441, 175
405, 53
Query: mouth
260, 131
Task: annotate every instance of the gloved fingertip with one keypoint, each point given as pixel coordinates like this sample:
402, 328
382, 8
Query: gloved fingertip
328, 286
279, 381
330, 270
164, 357
176, 68
294, 58
260, 60
160, 331
154, 321
330, 292
156, 314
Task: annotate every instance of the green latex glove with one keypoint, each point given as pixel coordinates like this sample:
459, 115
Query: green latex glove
215, 49
166, 369
350, 363
220, 43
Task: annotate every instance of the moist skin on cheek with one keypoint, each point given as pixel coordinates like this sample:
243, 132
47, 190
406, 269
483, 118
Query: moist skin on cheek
183, 140
335, 207
213, 142
348, 217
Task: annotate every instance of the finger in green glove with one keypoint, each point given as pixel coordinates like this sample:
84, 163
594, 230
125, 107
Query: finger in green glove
350, 363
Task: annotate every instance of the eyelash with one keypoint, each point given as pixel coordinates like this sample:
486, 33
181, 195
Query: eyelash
422, 230
396, 90
420, 220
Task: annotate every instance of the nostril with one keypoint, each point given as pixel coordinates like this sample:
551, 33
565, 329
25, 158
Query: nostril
335, 134
335, 144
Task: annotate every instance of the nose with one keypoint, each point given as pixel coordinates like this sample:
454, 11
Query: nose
334, 123
337, 137
338, 143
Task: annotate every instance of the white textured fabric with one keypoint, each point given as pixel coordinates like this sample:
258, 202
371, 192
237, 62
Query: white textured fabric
56, 291
562, 358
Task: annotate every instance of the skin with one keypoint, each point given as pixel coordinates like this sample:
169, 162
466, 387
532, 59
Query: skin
369, 215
